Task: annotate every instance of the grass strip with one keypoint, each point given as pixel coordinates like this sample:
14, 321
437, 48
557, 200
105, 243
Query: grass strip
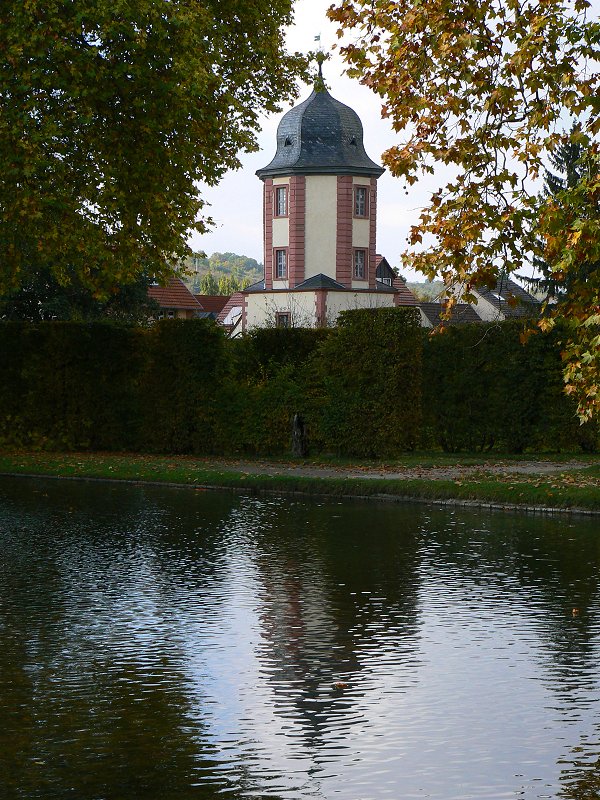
572, 489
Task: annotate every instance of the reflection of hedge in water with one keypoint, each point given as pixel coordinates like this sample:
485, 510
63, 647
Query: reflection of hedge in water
182, 387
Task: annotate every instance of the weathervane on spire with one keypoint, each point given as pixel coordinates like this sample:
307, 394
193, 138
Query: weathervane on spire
320, 57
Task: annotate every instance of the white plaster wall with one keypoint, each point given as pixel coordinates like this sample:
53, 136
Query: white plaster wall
281, 232
425, 323
280, 181
344, 301
483, 308
321, 225
263, 306
280, 285
486, 310
360, 232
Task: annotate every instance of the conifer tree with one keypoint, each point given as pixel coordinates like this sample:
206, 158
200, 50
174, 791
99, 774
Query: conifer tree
571, 163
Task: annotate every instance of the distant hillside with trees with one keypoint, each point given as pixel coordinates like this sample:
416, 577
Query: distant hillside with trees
427, 291
226, 273
221, 273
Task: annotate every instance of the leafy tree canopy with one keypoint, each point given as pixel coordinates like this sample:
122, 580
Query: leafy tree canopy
490, 90
42, 297
111, 111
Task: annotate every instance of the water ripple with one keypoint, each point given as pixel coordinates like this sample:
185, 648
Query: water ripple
172, 644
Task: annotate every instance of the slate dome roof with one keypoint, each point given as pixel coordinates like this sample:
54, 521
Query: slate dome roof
321, 136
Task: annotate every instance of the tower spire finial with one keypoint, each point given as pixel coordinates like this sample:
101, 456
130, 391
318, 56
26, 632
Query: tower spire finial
320, 86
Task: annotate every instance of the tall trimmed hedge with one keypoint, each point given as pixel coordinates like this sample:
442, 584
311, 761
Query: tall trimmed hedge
374, 386
180, 386
492, 386
267, 383
68, 385
371, 388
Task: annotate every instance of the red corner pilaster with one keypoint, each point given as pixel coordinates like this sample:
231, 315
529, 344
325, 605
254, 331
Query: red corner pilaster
343, 254
268, 231
297, 223
321, 307
373, 235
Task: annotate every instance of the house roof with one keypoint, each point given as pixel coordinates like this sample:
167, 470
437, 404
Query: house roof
462, 314
383, 287
212, 302
319, 281
322, 281
320, 136
383, 266
383, 270
174, 295
405, 296
235, 301
259, 286
509, 298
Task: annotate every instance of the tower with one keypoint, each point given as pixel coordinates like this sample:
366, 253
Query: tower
319, 219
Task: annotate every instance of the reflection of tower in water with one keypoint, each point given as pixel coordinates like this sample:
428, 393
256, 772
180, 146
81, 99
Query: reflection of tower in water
338, 629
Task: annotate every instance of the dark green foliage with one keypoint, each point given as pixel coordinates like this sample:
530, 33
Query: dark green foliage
68, 385
181, 387
13, 354
112, 114
371, 383
41, 297
269, 382
269, 349
485, 389
573, 163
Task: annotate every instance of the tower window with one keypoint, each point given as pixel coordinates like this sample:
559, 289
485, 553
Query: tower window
281, 201
360, 265
361, 198
280, 264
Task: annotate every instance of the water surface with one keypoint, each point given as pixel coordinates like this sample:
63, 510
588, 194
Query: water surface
177, 644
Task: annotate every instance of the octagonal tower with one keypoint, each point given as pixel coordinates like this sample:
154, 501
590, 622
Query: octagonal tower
320, 198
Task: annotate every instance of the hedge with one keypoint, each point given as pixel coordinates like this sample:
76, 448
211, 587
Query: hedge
68, 385
493, 386
374, 386
371, 387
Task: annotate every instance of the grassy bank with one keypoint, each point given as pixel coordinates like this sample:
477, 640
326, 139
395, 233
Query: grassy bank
568, 488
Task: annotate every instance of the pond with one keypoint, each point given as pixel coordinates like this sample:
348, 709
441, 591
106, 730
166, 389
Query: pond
178, 644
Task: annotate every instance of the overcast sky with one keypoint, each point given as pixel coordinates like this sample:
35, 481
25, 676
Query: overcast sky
236, 203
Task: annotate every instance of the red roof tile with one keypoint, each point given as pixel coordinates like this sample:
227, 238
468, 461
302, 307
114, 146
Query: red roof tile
236, 299
212, 302
404, 297
175, 295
